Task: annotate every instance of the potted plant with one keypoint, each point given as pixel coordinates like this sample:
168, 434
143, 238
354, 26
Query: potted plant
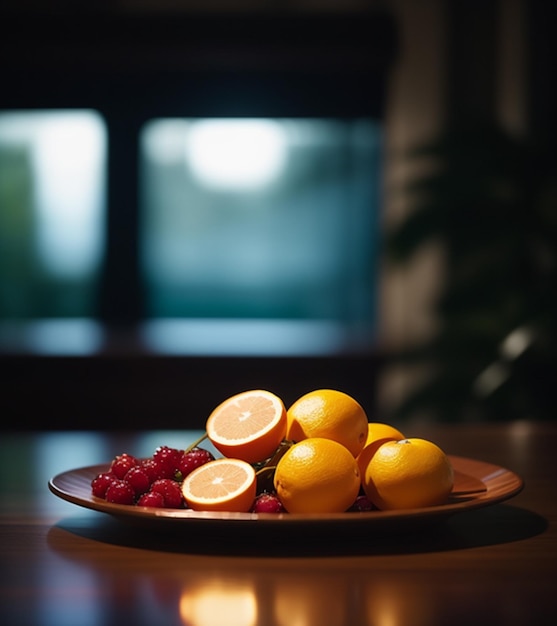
491, 200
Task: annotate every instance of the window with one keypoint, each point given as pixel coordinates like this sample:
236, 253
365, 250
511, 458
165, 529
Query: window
256, 235
52, 207
260, 234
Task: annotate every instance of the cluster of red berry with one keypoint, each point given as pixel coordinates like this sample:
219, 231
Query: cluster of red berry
157, 480
154, 482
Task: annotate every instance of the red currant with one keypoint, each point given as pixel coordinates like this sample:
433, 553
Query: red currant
170, 490
167, 458
361, 504
101, 483
267, 503
120, 492
193, 458
138, 478
122, 463
153, 469
151, 499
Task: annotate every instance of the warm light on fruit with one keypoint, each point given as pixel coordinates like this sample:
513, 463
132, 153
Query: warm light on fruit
406, 474
321, 456
221, 485
248, 426
317, 475
330, 414
377, 434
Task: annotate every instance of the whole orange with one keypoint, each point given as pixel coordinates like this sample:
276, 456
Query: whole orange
317, 475
378, 433
330, 414
408, 474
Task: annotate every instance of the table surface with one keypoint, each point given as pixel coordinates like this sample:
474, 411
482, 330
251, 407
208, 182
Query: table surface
63, 564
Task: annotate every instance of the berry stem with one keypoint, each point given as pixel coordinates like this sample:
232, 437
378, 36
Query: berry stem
196, 443
266, 468
265, 477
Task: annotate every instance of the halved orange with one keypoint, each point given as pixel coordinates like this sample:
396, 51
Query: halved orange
248, 426
221, 485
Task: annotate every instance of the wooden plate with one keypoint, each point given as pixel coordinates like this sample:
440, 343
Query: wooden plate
477, 484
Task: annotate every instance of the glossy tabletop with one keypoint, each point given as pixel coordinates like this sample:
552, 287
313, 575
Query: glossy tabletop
64, 564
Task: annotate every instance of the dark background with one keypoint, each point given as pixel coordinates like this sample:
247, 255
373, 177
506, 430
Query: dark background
133, 64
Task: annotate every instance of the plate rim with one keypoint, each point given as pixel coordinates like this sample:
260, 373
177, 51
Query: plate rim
516, 485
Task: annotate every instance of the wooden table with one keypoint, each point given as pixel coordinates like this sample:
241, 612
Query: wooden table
62, 564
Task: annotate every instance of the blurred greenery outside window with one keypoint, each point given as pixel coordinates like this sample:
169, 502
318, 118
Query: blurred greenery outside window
52, 211
260, 218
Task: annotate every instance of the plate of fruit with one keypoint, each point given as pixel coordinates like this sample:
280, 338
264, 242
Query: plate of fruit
319, 463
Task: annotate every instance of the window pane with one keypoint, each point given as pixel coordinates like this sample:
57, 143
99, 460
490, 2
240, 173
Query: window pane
261, 219
52, 209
